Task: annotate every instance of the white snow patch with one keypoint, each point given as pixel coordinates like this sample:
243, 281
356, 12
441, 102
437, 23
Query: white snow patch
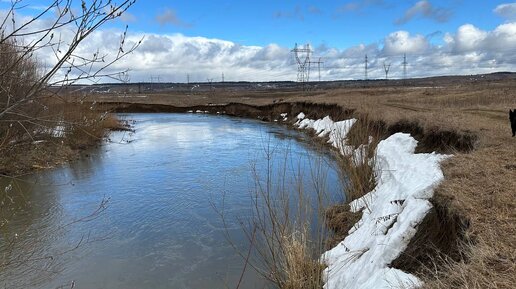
336, 131
58, 130
390, 213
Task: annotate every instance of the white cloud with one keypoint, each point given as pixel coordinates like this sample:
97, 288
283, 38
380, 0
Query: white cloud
401, 42
169, 16
360, 5
500, 41
425, 9
128, 17
468, 38
503, 37
507, 11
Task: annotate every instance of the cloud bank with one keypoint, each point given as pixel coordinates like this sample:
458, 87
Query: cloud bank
468, 50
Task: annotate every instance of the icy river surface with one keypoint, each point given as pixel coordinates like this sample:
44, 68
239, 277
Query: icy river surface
145, 209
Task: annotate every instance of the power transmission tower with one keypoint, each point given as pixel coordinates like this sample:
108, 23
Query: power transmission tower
302, 56
318, 62
319, 68
386, 67
152, 78
188, 78
222, 76
405, 66
124, 78
365, 67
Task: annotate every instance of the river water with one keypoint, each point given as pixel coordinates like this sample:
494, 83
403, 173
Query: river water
144, 209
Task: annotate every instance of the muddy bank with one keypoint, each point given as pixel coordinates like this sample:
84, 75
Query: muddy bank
39, 153
439, 237
429, 138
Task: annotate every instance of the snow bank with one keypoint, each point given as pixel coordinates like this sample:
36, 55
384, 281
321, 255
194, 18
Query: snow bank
336, 131
390, 213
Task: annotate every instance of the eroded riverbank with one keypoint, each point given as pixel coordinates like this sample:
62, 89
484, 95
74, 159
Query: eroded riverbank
429, 140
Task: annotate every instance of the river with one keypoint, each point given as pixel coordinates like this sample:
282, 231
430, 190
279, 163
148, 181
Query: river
144, 209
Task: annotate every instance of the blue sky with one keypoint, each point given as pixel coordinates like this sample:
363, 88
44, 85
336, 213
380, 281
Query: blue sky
334, 23
251, 40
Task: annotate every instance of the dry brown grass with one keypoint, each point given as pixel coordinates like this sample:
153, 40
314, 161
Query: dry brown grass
479, 186
340, 220
300, 268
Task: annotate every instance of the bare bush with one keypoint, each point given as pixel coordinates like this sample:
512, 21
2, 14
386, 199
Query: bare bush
286, 232
27, 85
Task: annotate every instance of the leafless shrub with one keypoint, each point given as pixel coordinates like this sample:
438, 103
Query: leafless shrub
286, 231
28, 88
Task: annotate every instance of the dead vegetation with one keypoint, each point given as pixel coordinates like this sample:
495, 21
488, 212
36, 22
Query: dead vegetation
51, 135
340, 220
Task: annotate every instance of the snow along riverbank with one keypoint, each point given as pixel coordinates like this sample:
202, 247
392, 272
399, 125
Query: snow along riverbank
390, 213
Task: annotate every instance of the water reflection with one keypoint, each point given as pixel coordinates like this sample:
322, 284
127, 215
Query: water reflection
160, 229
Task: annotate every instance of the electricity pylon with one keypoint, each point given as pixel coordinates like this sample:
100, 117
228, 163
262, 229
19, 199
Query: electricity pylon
405, 66
386, 68
302, 56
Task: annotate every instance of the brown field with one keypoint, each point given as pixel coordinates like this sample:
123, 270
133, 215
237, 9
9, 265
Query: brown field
474, 232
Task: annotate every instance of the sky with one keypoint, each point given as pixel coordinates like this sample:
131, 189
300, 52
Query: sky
252, 40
